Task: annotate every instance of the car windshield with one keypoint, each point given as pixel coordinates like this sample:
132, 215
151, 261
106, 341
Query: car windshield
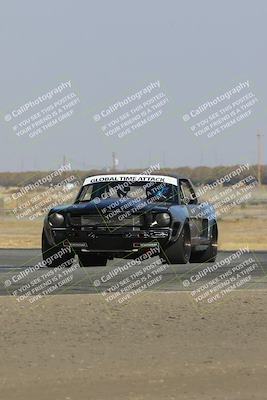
148, 191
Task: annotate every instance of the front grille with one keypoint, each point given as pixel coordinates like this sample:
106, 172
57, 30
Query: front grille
99, 220
75, 221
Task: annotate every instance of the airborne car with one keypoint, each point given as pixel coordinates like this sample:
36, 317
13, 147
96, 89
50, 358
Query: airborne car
125, 216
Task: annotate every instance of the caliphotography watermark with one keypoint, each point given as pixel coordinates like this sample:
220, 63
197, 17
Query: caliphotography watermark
230, 191
131, 196
33, 200
40, 114
123, 282
130, 113
212, 283
222, 112
33, 283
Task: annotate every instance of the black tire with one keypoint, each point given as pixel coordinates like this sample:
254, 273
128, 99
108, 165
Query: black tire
179, 252
92, 260
49, 252
209, 255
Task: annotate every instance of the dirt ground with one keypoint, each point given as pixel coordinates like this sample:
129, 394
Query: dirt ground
158, 346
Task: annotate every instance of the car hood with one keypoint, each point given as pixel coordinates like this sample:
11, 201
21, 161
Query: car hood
110, 205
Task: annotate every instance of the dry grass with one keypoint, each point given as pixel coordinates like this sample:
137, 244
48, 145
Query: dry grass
20, 234
244, 232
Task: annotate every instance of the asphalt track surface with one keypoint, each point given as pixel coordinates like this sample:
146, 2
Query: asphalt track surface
16, 278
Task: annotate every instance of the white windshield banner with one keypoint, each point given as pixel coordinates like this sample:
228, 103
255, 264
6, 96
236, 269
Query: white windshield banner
131, 178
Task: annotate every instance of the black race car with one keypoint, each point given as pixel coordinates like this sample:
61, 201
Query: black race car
126, 216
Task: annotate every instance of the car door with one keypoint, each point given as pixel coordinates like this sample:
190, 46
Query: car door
189, 199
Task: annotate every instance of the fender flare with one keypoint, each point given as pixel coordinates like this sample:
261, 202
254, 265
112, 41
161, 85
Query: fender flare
181, 227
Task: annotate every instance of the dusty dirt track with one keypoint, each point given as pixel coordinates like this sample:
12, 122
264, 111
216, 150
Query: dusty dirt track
158, 346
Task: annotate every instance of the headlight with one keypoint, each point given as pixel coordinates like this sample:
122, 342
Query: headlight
163, 219
56, 220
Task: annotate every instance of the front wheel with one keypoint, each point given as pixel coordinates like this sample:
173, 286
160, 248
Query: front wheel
55, 256
179, 252
209, 255
92, 260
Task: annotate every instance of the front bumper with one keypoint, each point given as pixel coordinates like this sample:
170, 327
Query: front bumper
113, 242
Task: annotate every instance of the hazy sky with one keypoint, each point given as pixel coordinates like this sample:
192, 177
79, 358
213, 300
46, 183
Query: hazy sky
110, 50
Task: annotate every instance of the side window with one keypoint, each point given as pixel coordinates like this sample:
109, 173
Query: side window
187, 193
87, 193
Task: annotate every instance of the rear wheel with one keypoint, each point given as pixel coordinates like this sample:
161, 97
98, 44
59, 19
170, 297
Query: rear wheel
180, 251
210, 254
57, 255
92, 260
